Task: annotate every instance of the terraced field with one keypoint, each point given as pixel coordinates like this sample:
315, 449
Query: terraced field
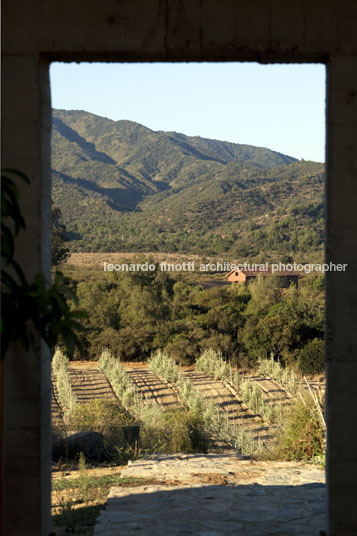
273, 393
229, 402
150, 386
88, 382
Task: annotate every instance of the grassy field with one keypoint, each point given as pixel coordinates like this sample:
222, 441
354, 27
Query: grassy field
90, 266
79, 492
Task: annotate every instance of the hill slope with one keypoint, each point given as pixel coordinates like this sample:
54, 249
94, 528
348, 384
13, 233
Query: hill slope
124, 187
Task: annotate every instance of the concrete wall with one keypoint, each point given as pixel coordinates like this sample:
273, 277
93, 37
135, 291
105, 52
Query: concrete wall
40, 31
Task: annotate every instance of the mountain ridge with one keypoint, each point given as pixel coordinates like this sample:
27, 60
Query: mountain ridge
173, 133
164, 190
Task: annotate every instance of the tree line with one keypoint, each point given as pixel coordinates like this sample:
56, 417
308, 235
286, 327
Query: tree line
133, 314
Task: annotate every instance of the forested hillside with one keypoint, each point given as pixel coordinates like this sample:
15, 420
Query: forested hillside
123, 187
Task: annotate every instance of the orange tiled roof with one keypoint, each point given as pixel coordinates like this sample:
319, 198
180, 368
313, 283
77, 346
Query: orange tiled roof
263, 272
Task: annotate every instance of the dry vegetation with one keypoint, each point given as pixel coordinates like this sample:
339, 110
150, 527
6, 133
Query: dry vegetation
220, 401
98, 259
244, 411
79, 492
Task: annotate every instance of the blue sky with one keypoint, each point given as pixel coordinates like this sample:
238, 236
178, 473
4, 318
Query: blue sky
278, 106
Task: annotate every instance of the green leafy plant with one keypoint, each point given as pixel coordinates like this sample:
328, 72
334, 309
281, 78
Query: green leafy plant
312, 357
30, 308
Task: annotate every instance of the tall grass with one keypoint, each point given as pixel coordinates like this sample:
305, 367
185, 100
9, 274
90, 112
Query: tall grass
215, 420
66, 396
123, 387
285, 376
212, 363
300, 429
303, 432
161, 364
163, 430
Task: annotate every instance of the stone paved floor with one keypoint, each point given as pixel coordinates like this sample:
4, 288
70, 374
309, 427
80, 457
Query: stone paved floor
216, 495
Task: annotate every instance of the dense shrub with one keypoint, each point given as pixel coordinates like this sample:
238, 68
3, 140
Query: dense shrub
303, 434
183, 349
98, 414
133, 314
176, 430
312, 357
281, 323
102, 429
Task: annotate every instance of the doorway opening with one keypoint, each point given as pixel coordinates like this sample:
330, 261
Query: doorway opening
167, 188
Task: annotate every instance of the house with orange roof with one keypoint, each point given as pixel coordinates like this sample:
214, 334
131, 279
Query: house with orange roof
245, 276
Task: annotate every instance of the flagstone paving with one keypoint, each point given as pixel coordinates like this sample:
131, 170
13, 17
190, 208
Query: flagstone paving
216, 495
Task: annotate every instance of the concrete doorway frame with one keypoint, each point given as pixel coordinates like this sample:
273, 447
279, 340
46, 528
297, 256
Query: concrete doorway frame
43, 31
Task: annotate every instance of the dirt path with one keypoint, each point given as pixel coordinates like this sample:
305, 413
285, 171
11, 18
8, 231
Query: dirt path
88, 382
150, 386
236, 410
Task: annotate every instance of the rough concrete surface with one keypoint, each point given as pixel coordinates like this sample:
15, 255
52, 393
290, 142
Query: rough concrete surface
216, 495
